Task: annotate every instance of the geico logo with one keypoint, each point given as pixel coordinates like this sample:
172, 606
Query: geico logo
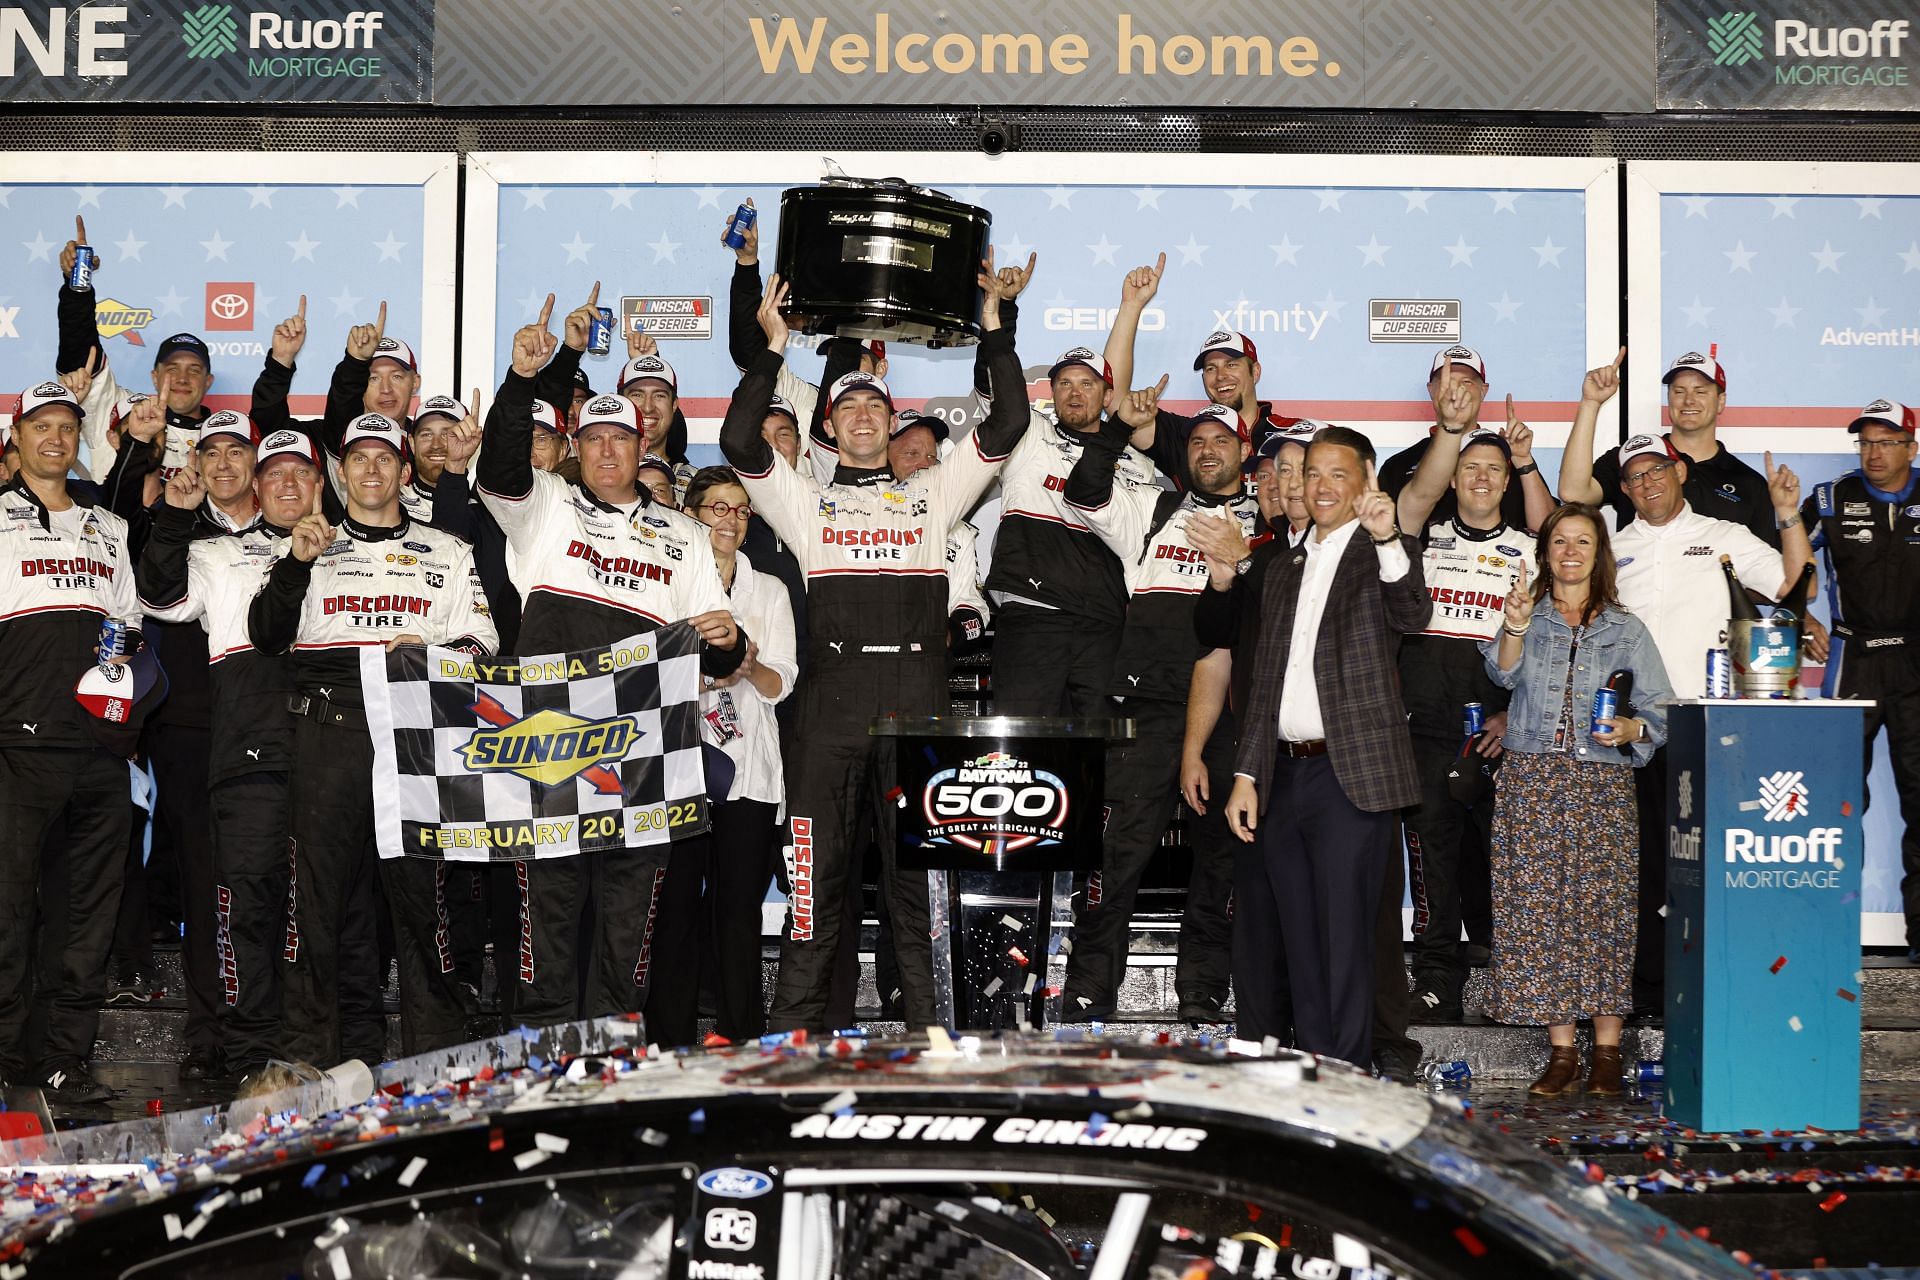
1883, 39
271, 31
1098, 319
1818, 845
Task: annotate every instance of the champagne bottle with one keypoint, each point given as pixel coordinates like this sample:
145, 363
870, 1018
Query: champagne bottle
1794, 602
1740, 605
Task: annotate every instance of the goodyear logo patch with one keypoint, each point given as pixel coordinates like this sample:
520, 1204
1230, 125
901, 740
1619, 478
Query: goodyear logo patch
550, 747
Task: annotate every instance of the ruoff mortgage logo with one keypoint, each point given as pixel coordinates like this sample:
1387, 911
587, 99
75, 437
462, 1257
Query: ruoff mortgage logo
281, 48
1808, 53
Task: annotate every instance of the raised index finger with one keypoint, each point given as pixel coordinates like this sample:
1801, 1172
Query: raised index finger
317, 509
1620, 359
546, 311
593, 298
1513, 419
1159, 266
79, 229
302, 312
380, 322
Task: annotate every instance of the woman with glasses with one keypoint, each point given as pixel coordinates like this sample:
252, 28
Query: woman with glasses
1565, 831
739, 719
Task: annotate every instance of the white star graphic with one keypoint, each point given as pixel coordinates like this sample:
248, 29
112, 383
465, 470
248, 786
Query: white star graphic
390, 248
1285, 251
344, 303
1548, 253
1013, 252
1148, 197
303, 248
89, 196
171, 196
257, 196
1783, 314
1783, 206
1696, 205
1373, 253
1416, 200
1740, 258
344, 196
1332, 306
216, 247
1911, 256
1504, 308
1193, 253
620, 198
1059, 198
709, 198
1329, 199
531, 304
1828, 257
577, 248
1871, 314
6, 197
1869, 205
1503, 201
1241, 199
39, 249
663, 249
1696, 313
263, 304
130, 248
1104, 251
1461, 252
535, 197
171, 302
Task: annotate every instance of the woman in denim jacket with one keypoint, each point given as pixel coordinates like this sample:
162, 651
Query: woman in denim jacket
1565, 831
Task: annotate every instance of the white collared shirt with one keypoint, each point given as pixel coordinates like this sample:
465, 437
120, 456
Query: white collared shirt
1300, 719
1668, 576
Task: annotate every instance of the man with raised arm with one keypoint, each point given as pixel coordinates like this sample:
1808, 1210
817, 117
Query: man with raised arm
873, 547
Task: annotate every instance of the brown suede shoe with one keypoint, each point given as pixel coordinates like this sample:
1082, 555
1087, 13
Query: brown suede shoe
1604, 1079
1563, 1071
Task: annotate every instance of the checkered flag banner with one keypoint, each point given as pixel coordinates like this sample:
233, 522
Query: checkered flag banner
502, 759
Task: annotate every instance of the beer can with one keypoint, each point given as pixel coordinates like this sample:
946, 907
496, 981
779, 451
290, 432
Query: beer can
1719, 673
84, 260
743, 217
1650, 1071
600, 331
1473, 718
1446, 1073
113, 638
1606, 705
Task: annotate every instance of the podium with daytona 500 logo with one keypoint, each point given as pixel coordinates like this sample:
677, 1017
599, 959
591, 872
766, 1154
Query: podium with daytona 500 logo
1764, 849
1000, 812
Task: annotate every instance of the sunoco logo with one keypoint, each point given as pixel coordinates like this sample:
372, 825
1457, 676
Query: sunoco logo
550, 747
995, 803
116, 319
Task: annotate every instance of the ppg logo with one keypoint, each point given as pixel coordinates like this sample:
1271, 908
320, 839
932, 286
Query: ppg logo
735, 1184
731, 1229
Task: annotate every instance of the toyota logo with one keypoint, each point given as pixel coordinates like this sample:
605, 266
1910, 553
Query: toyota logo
229, 306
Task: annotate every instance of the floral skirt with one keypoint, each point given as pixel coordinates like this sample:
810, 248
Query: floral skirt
1565, 863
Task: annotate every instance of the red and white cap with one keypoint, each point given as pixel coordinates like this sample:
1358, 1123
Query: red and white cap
1082, 356
641, 368
849, 383
1638, 446
1889, 413
397, 351
617, 411
39, 396
231, 423
1465, 357
1705, 366
447, 407
1231, 341
374, 426
547, 418
287, 444
1299, 431
780, 404
1226, 416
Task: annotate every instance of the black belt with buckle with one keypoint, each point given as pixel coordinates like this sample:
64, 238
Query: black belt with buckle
326, 711
1303, 750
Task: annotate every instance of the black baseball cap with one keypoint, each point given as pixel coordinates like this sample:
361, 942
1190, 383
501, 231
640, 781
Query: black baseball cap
187, 342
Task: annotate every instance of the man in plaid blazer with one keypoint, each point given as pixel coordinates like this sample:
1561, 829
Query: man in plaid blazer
1325, 760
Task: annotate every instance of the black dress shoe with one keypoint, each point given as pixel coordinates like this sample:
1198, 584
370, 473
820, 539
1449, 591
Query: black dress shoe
72, 1086
1398, 1064
1201, 1006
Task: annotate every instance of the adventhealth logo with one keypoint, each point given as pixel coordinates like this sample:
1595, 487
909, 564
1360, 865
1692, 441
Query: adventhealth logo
1735, 39
210, 31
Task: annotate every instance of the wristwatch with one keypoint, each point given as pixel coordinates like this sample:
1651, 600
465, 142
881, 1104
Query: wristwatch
1243, 564
1788, 523
1527, 470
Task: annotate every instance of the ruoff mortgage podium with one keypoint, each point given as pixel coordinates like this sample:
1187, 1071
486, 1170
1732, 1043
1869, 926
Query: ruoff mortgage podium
1763, 914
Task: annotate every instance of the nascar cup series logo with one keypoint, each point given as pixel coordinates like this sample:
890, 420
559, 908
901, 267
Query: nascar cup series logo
551, 747
995, 803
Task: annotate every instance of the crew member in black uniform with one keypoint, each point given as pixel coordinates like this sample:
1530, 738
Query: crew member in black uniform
1718, 484
64, 568
874, 550
189, 574
1147, 527
1457, 386
1868, 525
377, 579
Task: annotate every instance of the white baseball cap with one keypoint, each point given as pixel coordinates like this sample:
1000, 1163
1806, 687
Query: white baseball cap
642, 367
228, 422
39, 396
287, 444
1465, 357
1641, 445
1889, 413
1705, 366
614, 410
374, 426
397, 351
